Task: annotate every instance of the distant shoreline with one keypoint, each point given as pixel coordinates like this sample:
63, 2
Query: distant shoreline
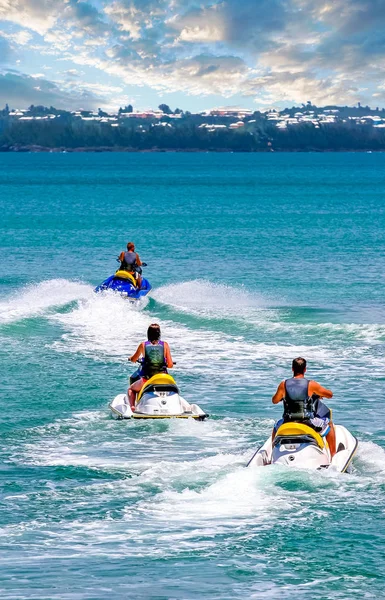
297, 129
104, 149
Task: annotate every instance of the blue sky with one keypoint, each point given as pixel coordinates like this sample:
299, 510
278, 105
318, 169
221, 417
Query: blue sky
191, 54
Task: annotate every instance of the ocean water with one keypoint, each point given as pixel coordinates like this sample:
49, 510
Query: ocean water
254, 259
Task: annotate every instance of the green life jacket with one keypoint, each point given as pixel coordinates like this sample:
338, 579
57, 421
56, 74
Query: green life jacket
154, 359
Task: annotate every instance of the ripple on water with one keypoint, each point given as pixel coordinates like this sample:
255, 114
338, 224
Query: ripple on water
108, 495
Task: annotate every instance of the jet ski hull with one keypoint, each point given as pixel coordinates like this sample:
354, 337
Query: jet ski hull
307, 454
158, 399
120, 409
124, 287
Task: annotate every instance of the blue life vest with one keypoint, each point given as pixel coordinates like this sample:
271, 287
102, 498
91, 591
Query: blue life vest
298, 406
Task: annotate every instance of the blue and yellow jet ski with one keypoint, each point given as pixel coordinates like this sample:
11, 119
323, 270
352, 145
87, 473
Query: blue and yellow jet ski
125, 284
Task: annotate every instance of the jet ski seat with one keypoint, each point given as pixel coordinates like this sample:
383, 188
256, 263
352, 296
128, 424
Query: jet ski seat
161, 382
120, 274
297, 432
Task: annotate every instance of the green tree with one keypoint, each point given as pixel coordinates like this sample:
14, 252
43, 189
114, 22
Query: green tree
165, 108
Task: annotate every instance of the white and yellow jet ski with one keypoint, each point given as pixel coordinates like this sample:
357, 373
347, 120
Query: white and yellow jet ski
158, 399
298, 445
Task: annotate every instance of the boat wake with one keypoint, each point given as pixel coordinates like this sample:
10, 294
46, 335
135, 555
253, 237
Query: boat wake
247, 310
37, 299
205, 298
195, 473
105, 327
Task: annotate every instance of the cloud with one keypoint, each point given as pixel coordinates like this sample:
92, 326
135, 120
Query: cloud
20, 90
129, 19
200, 25
268, 50
251, 22
20, 38
276, 49
73, 73
85, 18
38, 15
286, 87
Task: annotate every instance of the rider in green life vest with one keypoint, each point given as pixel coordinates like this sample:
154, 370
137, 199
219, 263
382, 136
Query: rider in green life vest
156, 357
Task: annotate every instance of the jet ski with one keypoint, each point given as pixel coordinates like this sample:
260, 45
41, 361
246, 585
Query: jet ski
125, 284
298, 445
158, 399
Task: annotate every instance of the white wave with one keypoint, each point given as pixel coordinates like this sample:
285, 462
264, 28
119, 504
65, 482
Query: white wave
181, 495
370, 459
368, 332
218, 301
107, 327
265, 495
200, 295
215, 301
236, 494
105, 324
36, 299
90, 438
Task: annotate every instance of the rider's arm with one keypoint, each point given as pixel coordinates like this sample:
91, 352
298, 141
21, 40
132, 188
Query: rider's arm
138, 261
279, 394
316, 388
167, 355
139, 352
121, 256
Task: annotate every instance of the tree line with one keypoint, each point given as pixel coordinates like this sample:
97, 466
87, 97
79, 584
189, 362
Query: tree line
186, 133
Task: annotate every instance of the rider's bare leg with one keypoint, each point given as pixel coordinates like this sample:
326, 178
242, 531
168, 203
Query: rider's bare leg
133, 390
331, 439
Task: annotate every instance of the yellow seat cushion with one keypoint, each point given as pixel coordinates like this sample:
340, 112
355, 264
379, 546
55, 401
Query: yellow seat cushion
293, 429
158, 379
125, 275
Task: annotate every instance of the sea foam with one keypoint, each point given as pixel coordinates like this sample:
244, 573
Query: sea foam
36, 299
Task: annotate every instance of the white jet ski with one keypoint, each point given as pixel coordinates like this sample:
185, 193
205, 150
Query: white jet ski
298, 445
158, 399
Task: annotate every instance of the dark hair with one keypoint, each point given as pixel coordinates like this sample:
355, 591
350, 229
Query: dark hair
130, 246
299, 366
153, 332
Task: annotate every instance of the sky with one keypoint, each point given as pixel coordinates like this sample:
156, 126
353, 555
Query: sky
191, 54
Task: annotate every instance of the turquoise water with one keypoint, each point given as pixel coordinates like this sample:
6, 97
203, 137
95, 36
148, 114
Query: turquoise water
254, 259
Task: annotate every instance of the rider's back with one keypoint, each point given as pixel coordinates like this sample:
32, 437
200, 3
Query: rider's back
298, 405
129, 261
154, 359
